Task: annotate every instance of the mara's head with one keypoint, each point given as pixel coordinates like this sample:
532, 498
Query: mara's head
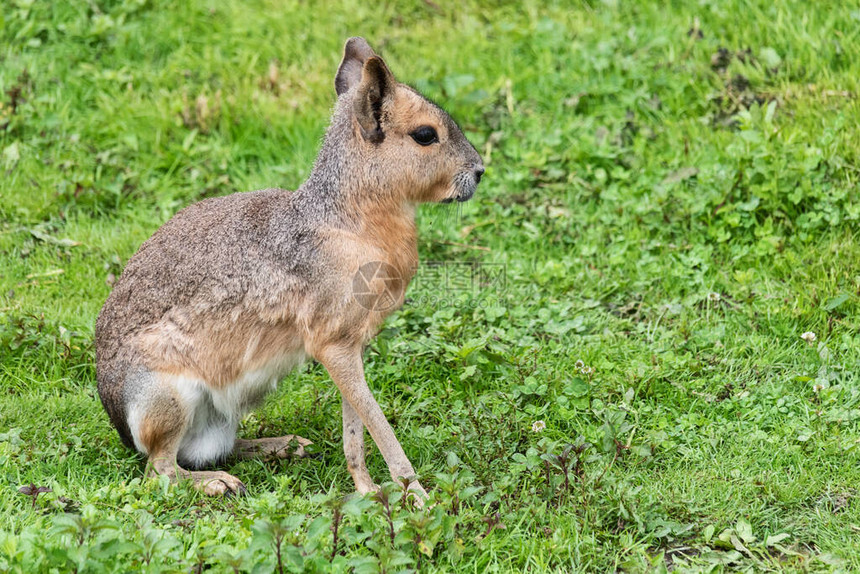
392, 125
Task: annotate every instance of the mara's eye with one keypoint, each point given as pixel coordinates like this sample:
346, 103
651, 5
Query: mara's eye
425, 135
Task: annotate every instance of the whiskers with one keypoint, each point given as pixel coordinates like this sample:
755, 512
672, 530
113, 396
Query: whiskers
445, 211
450, 209
452, 212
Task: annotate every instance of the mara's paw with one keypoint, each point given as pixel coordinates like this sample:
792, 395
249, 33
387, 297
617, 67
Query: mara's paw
272, 448
218, 483
368, 487
416, 494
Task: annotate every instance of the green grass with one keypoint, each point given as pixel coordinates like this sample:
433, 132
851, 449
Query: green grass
671, 216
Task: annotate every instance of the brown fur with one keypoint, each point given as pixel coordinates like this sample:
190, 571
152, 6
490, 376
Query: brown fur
233, 290
159, 425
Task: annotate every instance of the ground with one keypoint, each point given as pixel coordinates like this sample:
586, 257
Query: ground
636, 349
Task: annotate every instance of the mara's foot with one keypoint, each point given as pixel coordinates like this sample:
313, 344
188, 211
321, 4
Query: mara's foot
271, 448
366, 487
217, 483
416, 494
209, 482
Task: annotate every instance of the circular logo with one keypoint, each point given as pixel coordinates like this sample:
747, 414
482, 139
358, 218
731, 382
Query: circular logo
376, 286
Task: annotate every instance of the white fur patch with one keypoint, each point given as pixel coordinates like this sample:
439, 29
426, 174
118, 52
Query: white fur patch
134, 419
234, 400
214, 413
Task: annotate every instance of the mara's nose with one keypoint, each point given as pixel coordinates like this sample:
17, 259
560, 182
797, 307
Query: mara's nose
479, 171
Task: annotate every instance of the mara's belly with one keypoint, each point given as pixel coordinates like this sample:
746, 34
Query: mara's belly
232, 400
236, 361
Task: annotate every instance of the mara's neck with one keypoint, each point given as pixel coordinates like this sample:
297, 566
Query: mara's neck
346, 190
350, 190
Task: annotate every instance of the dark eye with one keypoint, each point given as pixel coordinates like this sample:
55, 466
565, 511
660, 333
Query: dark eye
425, 135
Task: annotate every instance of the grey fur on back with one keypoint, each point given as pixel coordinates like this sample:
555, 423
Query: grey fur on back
221, 251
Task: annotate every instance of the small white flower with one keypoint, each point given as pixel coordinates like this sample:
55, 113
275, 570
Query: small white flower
714, 297
538, 426
579, 364
587, 370
809, 337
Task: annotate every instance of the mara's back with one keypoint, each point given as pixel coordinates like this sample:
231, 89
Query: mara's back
212, 264
202, 261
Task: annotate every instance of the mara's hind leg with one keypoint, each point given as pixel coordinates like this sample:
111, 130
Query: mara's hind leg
159, 419
271, 448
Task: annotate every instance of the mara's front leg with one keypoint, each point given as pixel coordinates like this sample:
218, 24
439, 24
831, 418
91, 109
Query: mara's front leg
353, 448
345, 367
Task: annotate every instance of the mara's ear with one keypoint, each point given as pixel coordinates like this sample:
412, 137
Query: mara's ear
355, 53
377, 83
